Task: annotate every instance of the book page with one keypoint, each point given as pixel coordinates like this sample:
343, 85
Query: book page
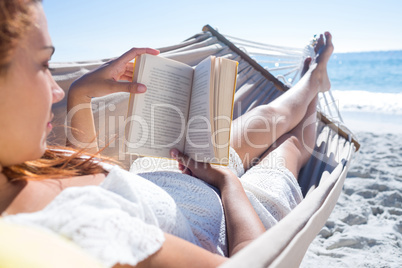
160, 114
215, 102
223, 117
198, 139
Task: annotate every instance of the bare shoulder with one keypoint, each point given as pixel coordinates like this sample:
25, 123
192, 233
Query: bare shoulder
36, 195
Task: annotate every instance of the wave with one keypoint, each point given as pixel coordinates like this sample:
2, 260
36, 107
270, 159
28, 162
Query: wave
370, 102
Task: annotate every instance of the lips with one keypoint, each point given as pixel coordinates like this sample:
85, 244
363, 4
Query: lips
49, 124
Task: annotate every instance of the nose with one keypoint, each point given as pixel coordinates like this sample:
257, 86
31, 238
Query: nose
57, 92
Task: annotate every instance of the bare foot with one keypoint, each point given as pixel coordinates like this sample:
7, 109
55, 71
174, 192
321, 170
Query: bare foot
306, 66
323, 49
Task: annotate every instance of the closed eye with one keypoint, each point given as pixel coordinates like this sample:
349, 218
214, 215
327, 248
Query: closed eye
46, 66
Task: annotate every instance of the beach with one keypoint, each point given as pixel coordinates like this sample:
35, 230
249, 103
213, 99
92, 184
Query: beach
365, 227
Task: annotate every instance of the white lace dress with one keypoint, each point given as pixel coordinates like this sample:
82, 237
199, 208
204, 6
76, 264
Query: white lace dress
123, 219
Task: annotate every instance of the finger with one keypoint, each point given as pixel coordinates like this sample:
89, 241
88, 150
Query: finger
184, 169
128, 73
181, 167
182, 159
128, 78
187, 171
130, 66
116, 86
134, 52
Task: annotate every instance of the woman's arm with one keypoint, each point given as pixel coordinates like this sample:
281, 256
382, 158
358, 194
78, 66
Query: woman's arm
176, 252
242, 222
105, 80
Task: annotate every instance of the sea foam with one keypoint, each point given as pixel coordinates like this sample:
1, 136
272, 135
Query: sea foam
370, 102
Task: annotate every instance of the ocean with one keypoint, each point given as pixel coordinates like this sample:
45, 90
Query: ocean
367, 71
369, 82
367, 89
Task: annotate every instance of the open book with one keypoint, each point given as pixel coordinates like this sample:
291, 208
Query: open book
184, 107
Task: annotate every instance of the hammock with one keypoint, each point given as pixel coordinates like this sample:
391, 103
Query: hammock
321, 180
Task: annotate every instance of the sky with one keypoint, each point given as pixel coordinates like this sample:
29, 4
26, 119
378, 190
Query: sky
97, 29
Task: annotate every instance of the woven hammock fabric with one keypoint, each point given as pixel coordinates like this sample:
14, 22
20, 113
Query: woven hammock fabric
321, 179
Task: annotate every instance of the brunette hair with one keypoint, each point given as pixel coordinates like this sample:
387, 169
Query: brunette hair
15, 20
57, 162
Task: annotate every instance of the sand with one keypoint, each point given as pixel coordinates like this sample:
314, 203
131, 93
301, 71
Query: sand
365, 227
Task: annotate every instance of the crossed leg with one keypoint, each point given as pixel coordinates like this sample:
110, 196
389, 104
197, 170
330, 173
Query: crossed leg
280, 125
293, 149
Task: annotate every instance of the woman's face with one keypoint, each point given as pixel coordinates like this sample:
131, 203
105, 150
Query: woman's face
27, 92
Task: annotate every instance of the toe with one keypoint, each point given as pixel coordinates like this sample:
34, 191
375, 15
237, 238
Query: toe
329, 47
328, 37
328, 40
320, 43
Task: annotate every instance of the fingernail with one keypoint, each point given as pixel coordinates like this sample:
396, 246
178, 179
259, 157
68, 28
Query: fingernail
141, 88
174, 153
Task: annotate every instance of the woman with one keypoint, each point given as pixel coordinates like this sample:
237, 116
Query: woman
148, 220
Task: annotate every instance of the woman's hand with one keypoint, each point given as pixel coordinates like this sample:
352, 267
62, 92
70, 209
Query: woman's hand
242, 222
217, 176
114, 76
107, 79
